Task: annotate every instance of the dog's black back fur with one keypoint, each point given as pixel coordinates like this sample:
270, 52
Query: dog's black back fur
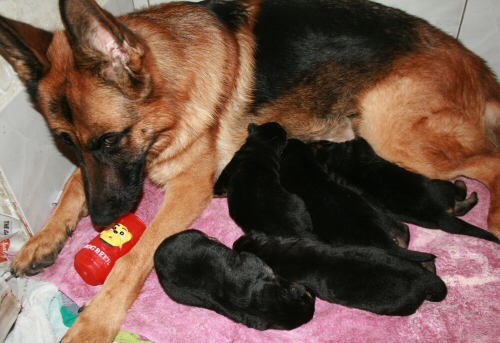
408, 196
287, 52
339, 215
367, 278
197, 271
256, 199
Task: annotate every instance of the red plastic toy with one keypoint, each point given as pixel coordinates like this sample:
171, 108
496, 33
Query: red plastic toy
95, 261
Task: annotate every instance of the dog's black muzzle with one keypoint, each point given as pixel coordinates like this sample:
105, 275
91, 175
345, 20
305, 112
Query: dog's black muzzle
112, 191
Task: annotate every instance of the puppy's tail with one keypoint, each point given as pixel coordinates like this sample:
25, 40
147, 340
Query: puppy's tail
452, 224
416, 256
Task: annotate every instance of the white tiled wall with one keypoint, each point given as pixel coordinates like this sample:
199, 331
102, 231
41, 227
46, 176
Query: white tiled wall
476, 23
445, 14
480, 30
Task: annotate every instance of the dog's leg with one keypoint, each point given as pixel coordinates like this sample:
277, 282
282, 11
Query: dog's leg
186, 197
41, 251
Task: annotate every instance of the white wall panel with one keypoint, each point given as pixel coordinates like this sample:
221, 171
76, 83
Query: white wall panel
445, 14
156, 2
480, 30
140, 4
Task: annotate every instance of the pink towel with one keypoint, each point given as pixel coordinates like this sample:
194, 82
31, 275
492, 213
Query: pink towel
469, 266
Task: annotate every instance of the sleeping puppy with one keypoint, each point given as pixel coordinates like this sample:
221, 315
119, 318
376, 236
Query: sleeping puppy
198, 271
366, 278
256, 199
408, 196
338, 214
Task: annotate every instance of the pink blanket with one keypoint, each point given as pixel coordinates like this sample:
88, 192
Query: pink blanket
469, 266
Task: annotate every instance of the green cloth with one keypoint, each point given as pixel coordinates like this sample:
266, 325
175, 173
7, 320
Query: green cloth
68, 316
129, 337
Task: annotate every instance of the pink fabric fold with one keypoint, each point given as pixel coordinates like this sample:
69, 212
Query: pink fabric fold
469, 266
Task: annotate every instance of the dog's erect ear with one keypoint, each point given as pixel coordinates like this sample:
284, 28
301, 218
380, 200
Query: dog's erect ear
101, 44
25, 47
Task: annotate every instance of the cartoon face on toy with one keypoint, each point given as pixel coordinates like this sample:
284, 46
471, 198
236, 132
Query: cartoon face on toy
116, 236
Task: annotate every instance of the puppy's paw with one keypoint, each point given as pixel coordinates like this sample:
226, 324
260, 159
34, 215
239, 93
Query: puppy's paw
39, 252
463, 207
461, 184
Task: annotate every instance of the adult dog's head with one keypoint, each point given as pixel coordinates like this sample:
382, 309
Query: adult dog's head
94, 85
136, 93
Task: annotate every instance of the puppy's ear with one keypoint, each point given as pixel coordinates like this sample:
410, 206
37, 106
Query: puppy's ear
25, 48
252, 127
102, 44
241, 243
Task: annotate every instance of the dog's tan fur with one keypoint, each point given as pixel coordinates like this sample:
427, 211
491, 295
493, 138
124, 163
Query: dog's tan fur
190, 105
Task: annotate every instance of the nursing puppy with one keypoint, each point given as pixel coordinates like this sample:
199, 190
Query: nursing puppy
256, 199
367, 278
338, 214
198, 271
408, 196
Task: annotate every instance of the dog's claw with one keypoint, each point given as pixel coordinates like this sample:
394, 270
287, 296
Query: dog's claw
69, 232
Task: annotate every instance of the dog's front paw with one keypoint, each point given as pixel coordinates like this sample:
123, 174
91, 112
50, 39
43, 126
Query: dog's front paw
93, 327
38, 253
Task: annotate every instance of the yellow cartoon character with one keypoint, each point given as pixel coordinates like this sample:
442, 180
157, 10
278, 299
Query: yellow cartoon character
116, 236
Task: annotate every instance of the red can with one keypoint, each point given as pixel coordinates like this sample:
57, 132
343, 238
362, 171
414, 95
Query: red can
95, 260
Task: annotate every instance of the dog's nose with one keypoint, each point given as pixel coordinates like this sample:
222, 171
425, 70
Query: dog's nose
103, 219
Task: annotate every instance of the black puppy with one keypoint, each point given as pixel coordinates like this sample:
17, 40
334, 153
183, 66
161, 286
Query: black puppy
198, 271
339, 215
256, 199
367, 278
408, 196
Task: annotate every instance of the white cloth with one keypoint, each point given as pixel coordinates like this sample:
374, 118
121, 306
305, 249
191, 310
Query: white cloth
40, 320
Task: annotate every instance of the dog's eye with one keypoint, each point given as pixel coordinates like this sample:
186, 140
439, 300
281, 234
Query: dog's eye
110, 141
66, 139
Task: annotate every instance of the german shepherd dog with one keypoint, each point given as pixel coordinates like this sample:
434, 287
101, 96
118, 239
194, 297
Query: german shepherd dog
169, 91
